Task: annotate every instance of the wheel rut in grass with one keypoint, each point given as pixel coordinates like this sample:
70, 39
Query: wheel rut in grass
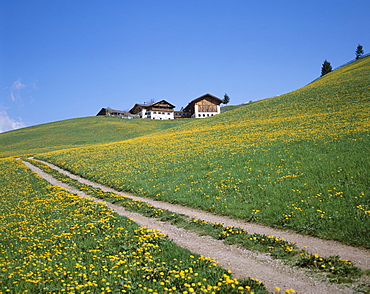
360, 257
241, 262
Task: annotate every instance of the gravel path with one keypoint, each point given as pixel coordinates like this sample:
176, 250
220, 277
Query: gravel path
241, 262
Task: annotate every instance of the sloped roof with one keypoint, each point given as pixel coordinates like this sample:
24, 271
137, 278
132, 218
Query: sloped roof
104, 111
137, 107
165, 102
191, 103
206, 95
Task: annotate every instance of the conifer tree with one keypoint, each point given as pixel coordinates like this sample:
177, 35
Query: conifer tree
359, 51
226, 99
326, 68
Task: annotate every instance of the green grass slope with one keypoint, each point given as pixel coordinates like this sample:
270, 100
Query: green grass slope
76, 133
297, 161
53, 241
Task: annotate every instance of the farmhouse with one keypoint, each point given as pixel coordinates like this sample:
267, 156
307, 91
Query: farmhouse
204, 106
201, 107
158, 110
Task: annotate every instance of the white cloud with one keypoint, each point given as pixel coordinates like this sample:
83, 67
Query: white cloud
8, 124
17, 85
15, 91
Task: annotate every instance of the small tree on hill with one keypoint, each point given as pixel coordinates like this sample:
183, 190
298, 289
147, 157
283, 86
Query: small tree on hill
359, 51
226, 99
326, 68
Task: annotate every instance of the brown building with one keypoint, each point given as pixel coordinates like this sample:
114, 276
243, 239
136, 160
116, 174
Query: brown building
116, 113
204, 106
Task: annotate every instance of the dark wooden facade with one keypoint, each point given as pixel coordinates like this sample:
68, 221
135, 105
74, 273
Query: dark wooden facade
182, 114
114, 112
205, 103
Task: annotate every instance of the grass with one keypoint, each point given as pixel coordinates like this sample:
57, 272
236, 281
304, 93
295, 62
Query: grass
340, 271
297, 161
53, 241
75, 133
232, 107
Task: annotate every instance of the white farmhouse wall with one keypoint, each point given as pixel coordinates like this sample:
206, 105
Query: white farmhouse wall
205, 114
161, 115
198, 114
196, 110
142, 113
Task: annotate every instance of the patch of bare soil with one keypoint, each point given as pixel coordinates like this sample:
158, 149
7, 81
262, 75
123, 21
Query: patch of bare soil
243, 263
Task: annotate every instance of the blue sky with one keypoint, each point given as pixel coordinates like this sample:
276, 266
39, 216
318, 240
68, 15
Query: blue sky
63, 59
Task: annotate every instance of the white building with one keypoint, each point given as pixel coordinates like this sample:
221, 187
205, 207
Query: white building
201, 107
158, 110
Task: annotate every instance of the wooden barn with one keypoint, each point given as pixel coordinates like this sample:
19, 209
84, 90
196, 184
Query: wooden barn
116, 113
203, 106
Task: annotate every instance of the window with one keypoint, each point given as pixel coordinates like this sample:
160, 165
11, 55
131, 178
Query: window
199, 115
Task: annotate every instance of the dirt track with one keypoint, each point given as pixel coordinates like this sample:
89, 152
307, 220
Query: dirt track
242, 263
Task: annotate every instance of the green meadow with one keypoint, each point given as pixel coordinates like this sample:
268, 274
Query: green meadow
298, 161
336, 269
53, 241
75, 133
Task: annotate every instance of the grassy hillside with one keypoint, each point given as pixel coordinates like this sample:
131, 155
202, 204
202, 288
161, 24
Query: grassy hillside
76, 133
297, 161
53, 241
